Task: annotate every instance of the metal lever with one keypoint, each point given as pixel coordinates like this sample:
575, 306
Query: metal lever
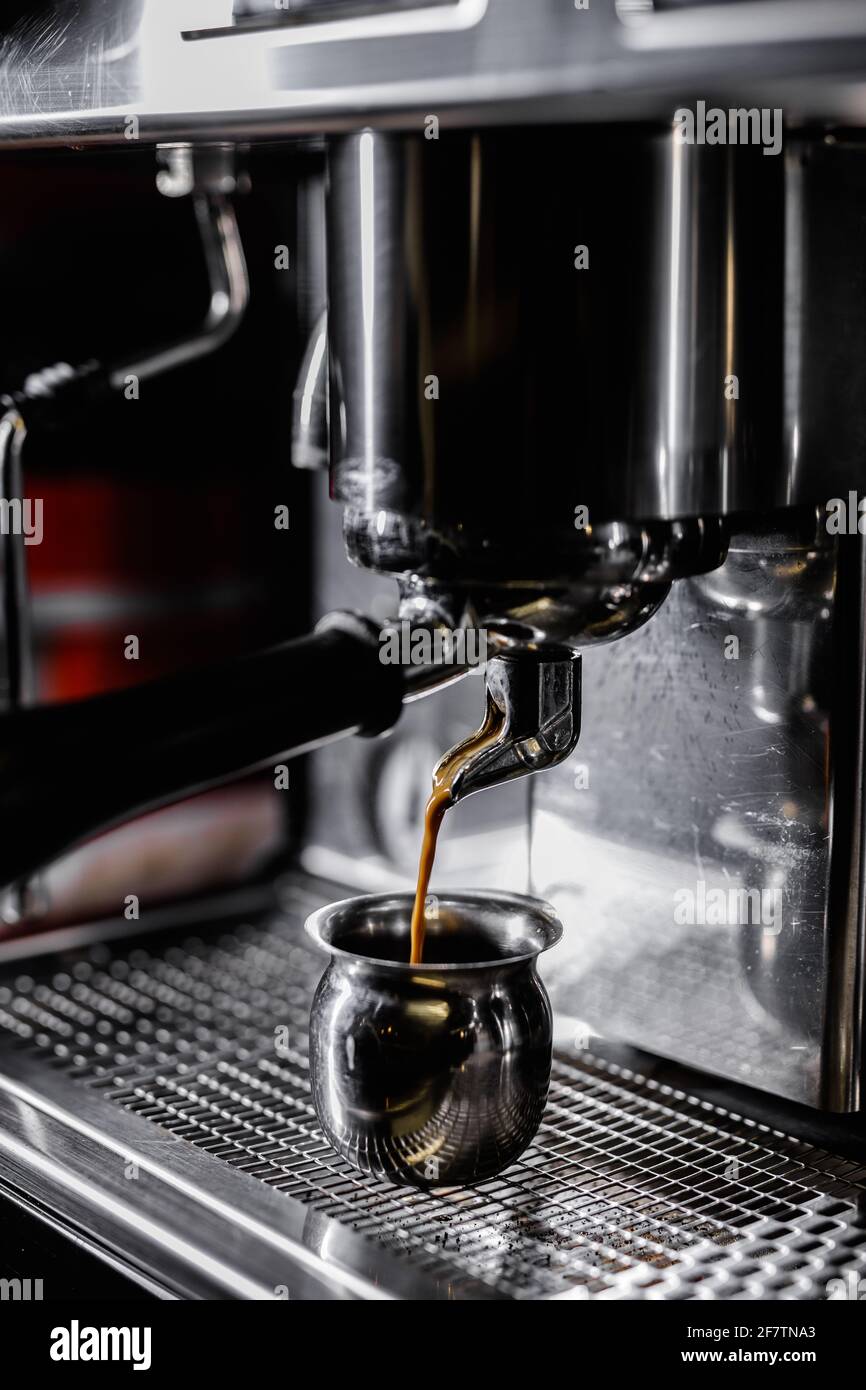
535, 695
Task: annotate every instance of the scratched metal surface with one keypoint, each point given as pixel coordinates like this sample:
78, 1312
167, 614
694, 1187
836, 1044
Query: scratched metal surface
713, 771
84, 68
85, 56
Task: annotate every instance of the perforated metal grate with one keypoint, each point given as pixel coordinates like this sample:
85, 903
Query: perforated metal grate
631, 1188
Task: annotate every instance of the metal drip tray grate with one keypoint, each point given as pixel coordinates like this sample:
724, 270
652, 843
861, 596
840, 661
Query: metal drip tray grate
631, 1188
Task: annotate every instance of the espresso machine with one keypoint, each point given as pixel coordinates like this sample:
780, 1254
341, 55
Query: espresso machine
579, 343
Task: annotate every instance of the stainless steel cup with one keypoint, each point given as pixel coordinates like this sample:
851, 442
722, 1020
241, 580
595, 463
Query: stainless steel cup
437, 1074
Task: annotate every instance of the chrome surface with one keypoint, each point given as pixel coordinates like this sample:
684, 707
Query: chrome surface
18, 675
208, 175
162, 1054
710, 368
446, 350
310, 401
81, 75
367, 798
17, 685
537, 696
743, 775
703, 773
433, 1075
464, 375
228, 296
621, 573
825, 306
136, 1191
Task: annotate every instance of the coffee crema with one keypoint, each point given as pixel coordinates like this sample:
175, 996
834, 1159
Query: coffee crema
441, 797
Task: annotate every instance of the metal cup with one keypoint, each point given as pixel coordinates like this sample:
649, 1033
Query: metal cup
436, 1074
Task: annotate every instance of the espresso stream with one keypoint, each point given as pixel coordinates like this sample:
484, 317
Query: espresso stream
440, 799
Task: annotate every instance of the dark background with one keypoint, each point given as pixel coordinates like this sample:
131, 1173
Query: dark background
158, 512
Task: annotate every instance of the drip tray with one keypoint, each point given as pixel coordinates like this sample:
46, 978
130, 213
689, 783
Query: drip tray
154, 1102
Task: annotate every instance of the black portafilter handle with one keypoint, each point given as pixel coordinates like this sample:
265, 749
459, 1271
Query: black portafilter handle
68, 771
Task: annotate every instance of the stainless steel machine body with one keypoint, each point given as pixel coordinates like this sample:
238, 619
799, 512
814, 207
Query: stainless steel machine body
220, 70
699, 390
695, 381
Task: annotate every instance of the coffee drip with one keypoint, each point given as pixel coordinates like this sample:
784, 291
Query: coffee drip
444, 777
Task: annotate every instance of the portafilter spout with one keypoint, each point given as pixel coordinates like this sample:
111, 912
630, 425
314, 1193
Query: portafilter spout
533, 696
